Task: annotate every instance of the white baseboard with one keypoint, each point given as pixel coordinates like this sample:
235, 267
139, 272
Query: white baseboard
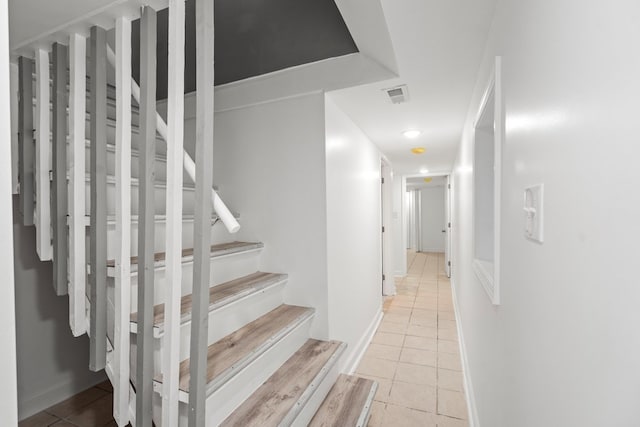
466, 376
30, 405
358, 352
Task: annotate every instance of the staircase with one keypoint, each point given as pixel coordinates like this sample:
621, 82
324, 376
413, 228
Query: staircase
260, 365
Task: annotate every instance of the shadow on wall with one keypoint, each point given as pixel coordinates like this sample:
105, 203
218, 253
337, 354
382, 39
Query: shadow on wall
52, 364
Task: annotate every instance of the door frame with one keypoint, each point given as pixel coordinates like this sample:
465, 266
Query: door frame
386, 236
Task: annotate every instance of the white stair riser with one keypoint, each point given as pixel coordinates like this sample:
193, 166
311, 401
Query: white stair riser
160, 236
224, 321
160, 163
227, 398
223, 401
229, 319
159, 194
222, 270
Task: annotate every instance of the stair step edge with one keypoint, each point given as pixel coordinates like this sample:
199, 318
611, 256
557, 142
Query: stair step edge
327, 405
246, 247
294, 389
158, 218
263, 285
225, 376
311, 388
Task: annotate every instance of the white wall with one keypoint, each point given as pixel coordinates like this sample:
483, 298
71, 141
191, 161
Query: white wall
269, 162
8, 388
353, 231
563, 348
432, 219
52, 364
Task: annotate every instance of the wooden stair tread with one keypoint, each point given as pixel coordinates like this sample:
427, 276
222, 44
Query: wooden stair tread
220, 294
347, 404
242, 346
279, 395
216, 250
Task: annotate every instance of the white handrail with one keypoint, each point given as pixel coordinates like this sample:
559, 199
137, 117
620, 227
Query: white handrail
218, 205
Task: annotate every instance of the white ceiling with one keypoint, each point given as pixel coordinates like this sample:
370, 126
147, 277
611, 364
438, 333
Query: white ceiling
438, 46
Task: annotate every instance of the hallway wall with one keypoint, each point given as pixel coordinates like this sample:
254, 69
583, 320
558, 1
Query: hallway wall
563, 347
269, 164
354, 240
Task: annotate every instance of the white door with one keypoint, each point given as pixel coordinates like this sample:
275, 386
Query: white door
432, 219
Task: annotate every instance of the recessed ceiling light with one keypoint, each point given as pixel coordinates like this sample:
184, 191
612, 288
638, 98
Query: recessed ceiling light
424, 170
411, 133
418, 150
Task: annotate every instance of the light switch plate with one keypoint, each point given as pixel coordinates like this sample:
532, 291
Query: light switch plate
533, 213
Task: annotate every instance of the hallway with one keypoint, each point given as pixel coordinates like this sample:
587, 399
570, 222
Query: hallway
414, 355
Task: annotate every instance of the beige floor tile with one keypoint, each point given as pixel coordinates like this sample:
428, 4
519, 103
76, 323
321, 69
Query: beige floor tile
386, 338
427, 305
377, 413
377, 367
403, 301
418, 357
446, 346
424, 313
75, 404
392, 327
400, 311
444, 421
446, 315
425, 321
64, 423
448, 334
398, 416
41, 419
447, 324
397, 318
416, 374
421, 343
381, 351
452, 403
97, 413
450, 380
449, 361
414, 396
422, 331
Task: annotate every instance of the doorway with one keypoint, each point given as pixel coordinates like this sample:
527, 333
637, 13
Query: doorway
427, 215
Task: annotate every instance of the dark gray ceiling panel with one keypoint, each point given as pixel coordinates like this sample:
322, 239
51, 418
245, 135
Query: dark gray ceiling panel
255, 37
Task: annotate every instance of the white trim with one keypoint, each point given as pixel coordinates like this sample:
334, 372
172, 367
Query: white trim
173, 243
76, 184
472, 415
361, 347
122, 292
42, 219
14, 76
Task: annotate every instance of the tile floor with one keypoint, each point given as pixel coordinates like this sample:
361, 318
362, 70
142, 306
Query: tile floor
91, 408
414, 355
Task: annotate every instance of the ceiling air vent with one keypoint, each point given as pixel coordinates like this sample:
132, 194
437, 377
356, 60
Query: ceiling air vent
398, 94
